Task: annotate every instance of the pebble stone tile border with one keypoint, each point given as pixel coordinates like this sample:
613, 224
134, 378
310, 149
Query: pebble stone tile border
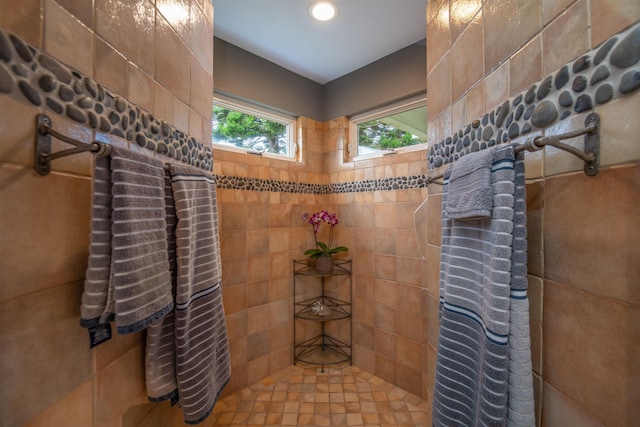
44, 82
601, 75
254, 184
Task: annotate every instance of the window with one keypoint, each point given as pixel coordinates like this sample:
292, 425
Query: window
252, 128
390, 128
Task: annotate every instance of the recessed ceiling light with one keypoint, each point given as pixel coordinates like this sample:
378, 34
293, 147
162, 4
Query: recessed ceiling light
323, 10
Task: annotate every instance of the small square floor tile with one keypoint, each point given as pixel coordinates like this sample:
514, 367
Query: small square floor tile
343, 396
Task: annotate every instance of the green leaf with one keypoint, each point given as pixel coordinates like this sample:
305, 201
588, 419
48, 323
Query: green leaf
313, 253
323, 246
338, 249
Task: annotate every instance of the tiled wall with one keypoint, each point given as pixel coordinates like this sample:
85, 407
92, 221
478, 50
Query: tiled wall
28, 74
390, 325
395, 300
261, 232
158, 60
585, 311
582, 230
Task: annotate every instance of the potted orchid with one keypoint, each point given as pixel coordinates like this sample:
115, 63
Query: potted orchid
323, 252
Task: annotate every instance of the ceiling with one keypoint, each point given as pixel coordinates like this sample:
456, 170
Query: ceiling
282, 32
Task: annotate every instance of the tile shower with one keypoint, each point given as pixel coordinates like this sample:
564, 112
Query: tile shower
579, 308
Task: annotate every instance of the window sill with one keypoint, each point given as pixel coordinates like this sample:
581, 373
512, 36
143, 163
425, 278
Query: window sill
239, 150
401, 150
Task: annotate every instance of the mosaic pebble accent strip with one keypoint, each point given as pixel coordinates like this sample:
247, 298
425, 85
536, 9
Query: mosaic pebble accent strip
605, 73
44, 82
601, 75
255, 184
385, 184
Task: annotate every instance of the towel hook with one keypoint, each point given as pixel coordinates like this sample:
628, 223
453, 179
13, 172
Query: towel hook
43, 154
590, 155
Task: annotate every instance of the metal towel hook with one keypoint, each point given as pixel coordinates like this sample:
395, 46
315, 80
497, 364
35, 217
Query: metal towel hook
43, 154
590, 155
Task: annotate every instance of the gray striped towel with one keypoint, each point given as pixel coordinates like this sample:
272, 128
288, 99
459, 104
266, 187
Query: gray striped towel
483, 366
128, 275
470, 194
195, 338
160, 364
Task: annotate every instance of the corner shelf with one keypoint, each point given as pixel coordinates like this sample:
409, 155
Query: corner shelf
322, 349
304, 267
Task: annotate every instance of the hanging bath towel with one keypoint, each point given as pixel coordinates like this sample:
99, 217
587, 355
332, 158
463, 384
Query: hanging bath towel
483, 366
193, 339
160, 352
128, 275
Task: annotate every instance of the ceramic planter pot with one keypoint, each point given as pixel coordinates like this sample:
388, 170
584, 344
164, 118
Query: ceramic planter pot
324, 264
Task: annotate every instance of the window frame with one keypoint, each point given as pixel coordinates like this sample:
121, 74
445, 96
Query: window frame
256, 110
387, 110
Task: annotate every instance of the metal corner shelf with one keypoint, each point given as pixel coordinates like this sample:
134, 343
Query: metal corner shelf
305, 267
336, 309
322, 349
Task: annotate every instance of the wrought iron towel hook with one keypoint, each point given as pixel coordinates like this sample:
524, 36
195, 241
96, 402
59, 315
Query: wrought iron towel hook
43, 154
590, 155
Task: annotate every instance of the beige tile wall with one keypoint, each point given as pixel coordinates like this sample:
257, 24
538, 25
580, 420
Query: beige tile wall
50, 376
262, 232
395, 298
389, 321
582, 231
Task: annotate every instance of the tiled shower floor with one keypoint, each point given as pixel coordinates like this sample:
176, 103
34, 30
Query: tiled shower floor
304, 396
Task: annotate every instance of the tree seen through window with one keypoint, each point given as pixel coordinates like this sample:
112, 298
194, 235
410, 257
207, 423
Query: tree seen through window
381, 136
392, 128
247, 131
